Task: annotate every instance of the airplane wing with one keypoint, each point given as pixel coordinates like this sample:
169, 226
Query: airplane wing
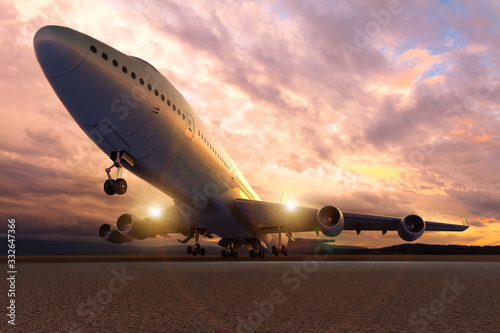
276, 217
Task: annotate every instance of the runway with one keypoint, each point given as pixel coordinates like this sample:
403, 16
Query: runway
258, 296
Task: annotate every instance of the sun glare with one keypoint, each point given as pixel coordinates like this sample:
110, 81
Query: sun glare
155, 211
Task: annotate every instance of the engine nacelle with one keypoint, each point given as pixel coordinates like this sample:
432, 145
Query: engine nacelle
331, 221
411, 227
110, 233
135, 226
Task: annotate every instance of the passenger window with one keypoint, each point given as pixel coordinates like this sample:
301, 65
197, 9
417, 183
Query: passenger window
141, 81
124, 69
93, 49
168, 102
149, 87
156, 92
115, 63
133, 75
104, 56
163, 98
183, 116
173, 107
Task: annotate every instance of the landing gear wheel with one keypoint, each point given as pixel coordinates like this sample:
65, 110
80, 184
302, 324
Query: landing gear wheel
120, 186
202, 252
235, 255
189, 250
108, 187
223, 254
252, 254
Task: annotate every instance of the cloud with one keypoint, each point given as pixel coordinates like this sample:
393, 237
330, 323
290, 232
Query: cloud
477, 224
480, 203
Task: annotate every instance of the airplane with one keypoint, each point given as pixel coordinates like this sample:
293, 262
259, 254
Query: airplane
141, 121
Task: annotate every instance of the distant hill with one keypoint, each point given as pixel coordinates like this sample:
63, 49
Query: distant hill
437, 249
416, 249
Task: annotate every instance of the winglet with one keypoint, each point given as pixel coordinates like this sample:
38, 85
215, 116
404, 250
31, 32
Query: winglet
466, 222
283, 198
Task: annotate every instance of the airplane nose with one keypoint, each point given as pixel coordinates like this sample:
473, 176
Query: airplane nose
56, 52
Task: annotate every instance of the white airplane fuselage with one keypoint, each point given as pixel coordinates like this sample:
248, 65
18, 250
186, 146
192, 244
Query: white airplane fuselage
138, 118
124, 104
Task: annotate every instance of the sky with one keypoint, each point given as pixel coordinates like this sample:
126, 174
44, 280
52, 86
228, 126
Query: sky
378, 107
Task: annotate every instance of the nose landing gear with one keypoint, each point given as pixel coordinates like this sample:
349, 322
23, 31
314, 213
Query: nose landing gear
118, 186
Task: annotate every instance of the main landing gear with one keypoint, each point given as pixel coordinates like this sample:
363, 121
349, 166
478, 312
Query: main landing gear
281, 248
197, 249
118, 186
230, 253
231, 247
257, 253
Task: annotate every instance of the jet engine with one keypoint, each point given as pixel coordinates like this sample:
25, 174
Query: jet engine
411, 227
110, 233
331, 221
135, 226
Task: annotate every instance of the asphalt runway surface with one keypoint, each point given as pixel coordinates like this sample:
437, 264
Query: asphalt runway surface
302, 294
